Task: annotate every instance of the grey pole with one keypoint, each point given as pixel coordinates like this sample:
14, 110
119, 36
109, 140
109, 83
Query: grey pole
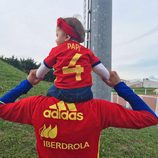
101, 36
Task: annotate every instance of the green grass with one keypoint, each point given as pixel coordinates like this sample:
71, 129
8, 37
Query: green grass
18, 141
10, 77
141, 91
127, 143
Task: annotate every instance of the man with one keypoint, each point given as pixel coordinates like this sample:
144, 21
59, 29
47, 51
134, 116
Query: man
73, 130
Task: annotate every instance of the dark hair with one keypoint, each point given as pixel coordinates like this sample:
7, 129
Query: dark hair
78, 28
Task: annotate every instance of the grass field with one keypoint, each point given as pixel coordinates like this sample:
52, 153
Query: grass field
17, 141
142, 91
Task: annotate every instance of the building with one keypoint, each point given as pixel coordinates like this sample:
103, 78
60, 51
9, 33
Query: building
149, 83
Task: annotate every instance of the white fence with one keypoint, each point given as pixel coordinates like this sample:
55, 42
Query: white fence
152, 101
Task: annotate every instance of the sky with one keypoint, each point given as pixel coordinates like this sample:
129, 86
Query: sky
27, 29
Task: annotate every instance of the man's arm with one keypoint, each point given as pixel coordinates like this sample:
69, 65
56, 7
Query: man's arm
135, 101
114, 115
20, 89
20, 111
125, 92
16, 92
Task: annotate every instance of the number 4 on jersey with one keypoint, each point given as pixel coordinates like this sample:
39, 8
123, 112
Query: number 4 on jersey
73, 68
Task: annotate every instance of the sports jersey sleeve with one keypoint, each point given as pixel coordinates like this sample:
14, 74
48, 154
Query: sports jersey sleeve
20, 111
50, 60
114, 115
13, 94
135, 101
93, 59
42, 71
101, 71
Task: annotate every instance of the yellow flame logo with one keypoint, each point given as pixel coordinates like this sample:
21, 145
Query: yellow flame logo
48, 132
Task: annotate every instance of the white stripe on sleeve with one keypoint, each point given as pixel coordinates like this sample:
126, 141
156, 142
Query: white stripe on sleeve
42, 71
101, 71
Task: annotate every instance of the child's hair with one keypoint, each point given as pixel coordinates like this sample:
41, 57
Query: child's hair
78, 28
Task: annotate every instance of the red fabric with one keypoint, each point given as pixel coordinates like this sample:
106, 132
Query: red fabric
67, 28
77, 129
61, 56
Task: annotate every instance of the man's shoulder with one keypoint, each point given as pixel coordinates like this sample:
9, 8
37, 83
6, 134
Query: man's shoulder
40, 98
96, 101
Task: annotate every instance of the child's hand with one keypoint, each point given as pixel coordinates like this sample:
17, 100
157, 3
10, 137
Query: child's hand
114, 79
32, 77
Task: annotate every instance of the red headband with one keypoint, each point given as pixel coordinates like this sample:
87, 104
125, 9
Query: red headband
67, 28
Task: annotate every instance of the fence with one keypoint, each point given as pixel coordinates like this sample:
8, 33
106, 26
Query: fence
145, 91
152, 101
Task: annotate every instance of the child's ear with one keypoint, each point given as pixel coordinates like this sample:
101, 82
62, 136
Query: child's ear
67, 37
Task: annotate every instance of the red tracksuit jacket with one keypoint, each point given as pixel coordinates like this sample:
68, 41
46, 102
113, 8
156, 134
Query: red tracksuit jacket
72, 130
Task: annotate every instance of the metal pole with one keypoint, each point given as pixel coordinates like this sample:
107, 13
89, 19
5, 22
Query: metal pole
87, 21
101, 36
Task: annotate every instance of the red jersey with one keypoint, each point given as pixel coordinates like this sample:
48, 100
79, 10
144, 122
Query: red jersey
72, 130
72, 65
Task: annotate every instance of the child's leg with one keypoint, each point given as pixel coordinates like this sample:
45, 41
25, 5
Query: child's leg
76, 95
54, 91
13, 94
71, 95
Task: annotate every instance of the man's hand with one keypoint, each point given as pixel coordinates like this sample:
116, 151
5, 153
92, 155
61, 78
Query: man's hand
32, 77
114, 79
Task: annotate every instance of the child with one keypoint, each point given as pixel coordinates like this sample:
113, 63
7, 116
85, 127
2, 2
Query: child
72, 63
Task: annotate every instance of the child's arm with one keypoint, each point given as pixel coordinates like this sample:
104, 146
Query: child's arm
42, 71
101, 71
47, 64
98, 67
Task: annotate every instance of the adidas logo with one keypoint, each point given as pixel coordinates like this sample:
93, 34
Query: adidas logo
64, 111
